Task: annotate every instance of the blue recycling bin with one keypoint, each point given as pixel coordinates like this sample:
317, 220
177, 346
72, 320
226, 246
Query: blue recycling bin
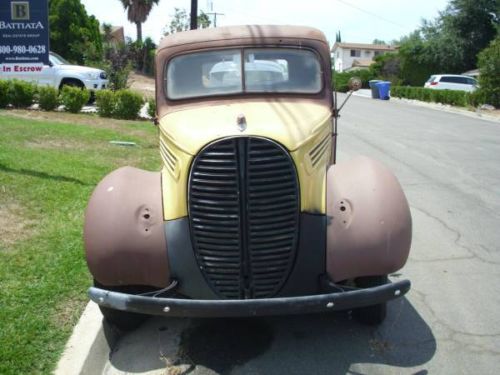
383, 89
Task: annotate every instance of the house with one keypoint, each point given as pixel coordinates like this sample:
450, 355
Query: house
472, 73
350, 56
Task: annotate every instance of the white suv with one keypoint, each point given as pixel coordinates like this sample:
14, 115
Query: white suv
451, 82
60, 73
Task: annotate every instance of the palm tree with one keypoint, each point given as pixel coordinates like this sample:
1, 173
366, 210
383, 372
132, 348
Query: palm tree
137, 12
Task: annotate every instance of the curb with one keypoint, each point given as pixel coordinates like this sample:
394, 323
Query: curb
89, 346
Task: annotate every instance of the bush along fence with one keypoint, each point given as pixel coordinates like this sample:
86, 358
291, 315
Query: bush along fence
452, 97
121, 104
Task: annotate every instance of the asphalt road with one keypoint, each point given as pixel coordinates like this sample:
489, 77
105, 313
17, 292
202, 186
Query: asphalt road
449, 323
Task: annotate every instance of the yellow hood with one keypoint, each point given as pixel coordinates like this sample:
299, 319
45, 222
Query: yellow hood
290, 123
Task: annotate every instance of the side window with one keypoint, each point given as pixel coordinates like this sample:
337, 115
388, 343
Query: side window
447, 79
355, 53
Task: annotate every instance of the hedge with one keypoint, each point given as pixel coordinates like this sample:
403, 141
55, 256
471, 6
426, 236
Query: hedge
48, 98
74, 98
122, 104
341, 79
452, 97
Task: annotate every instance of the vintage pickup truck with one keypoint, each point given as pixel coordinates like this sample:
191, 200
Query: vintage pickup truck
250, 215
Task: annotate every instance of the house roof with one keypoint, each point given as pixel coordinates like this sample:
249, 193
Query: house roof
362, 63
374, 47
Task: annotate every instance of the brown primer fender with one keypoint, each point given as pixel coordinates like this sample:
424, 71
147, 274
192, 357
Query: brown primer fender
124, 235
369, 222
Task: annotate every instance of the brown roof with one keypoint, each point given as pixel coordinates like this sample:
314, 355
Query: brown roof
362, 62
374, 47
256, 32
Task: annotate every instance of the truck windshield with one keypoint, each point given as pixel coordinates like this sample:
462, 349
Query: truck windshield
266, 70
57, 60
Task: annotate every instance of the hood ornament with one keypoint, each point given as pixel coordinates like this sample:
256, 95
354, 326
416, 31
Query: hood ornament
241, 121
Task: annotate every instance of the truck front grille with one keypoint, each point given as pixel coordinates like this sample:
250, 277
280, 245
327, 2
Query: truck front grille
244, 216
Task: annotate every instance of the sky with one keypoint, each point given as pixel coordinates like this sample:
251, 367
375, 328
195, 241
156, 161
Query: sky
359, 21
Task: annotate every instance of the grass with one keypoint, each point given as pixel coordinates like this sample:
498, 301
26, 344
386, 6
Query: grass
48, 169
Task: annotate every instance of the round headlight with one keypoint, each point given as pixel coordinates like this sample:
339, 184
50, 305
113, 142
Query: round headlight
103, 75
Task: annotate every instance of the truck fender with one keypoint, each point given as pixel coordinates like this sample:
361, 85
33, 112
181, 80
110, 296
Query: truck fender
369, 222
124, 233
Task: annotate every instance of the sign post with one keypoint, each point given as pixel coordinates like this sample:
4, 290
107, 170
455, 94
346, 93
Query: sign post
24, 35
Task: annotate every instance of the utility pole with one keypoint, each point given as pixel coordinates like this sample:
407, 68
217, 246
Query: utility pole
194, 14
215, 14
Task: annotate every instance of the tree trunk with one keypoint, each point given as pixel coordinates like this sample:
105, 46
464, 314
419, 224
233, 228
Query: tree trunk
139, 31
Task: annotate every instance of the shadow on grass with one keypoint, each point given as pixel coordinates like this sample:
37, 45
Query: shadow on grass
38, 174
303, 344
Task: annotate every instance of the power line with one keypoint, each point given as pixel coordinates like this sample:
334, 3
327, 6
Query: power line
371, 14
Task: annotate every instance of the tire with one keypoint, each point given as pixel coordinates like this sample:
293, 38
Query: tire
72, 83
375, 314
122, 321
79, 84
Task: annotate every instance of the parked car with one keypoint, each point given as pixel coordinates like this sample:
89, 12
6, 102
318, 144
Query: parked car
451, 82
60, 72
250, 215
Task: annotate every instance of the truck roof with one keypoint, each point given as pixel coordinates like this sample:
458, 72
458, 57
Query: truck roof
254, 34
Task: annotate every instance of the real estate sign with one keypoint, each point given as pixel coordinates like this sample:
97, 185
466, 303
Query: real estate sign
24, 35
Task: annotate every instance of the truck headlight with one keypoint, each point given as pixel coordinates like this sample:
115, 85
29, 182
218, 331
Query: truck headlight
103, 75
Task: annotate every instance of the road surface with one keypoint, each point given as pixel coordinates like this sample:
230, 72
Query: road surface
449, 323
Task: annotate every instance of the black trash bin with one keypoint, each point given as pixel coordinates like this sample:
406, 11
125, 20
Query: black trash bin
373, 86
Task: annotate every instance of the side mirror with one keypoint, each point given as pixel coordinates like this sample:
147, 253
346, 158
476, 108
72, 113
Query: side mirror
354, 84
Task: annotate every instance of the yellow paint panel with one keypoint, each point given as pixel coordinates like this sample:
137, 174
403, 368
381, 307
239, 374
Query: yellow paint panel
287, 122
312, 179
174, 183
302, 128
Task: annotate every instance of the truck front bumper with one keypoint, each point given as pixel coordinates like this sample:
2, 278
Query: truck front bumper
177, 307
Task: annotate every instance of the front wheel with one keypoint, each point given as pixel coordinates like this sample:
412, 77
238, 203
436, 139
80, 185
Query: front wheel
375, 314
123, 321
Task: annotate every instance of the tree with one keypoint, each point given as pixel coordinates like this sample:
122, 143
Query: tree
338, 37
180, 22
379, 42
489, 67
138, 12
73, 34
460, 32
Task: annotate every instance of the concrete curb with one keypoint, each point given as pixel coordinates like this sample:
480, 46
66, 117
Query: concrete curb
89, 346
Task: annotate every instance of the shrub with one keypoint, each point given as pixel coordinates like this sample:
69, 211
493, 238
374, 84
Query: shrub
21, 93
152, 108
452, 97
74, 98
489, 66
340, 80
128, 104
4, 93
105, 101
48, 98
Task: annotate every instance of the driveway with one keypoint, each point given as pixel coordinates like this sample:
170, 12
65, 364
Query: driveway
449, 323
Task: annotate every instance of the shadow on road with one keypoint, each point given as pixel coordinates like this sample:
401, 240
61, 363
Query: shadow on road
319, 344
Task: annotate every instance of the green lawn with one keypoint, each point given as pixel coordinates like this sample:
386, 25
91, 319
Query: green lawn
48, 169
